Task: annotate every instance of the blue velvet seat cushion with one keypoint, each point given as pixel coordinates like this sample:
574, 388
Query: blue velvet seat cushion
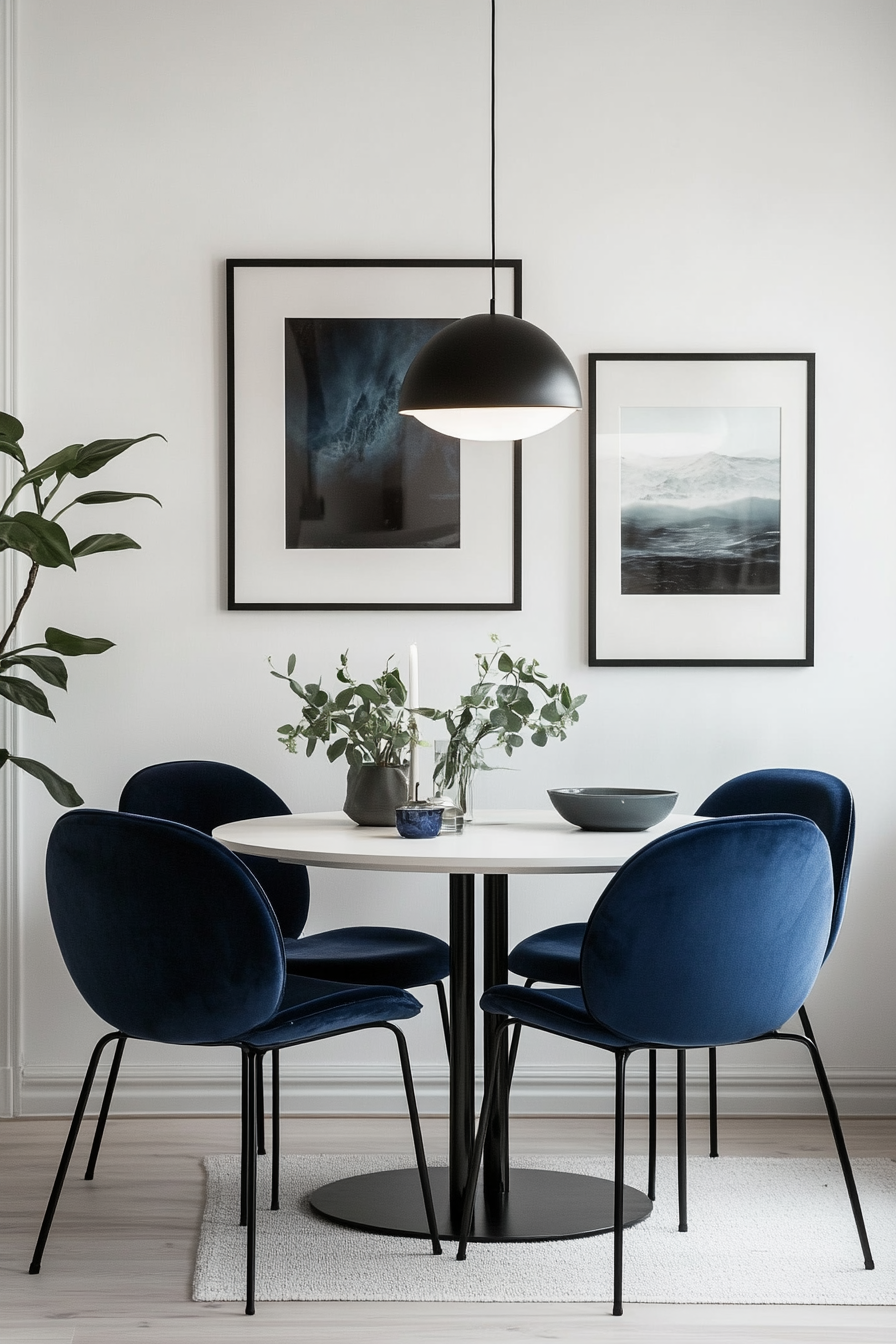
561, 1011
552, 954
369, 955
312, 1008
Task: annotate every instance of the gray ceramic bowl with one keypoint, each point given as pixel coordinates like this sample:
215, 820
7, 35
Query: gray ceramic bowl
613, 809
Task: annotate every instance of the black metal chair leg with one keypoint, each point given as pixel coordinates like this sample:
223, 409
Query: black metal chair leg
443, 1009
839, 1141
515, 1045
417, 1133
485, 1119
713, 1104
651, 1125
104, 1108
251, 1179
244, 1137
807, 1025
682, 1136
619, 1181
259, 1101
80, 1108
275, 1129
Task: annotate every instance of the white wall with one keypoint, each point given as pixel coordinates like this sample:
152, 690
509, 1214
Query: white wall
677, 175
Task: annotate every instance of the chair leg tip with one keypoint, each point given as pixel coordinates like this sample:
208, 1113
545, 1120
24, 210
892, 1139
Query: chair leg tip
682, 1227
250, 1308
869, 1263
461, 1255
617, 1309
34, 1267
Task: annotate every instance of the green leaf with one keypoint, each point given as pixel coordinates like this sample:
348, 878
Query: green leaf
57, 787
287, 730
336, 749
13, 450
112, 497
42, 540
93, 456
550, 713
104, 541
540, 737
498, 717
51, 670
26, 694
514, 740
290, 664
57, 462
10, 427
72, 646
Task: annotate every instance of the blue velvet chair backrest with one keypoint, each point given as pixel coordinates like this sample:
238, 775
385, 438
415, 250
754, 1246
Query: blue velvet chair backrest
822, 798
711, 934
165, 933
206, 794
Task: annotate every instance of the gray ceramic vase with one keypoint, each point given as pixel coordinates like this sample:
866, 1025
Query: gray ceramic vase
373, 792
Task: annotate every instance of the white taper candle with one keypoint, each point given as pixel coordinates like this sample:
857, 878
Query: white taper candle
413, 703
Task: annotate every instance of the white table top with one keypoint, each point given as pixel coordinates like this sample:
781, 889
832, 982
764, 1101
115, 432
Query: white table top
496, 842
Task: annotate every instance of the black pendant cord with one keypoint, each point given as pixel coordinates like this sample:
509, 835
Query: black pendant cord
492, 307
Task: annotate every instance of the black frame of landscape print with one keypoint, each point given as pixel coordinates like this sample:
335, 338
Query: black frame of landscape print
306, 338
701, 503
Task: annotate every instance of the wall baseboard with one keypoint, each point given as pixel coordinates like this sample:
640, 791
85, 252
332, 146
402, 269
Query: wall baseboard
376, 1090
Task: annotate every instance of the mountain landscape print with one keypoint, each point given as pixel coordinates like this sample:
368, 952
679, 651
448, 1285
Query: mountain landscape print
700, 499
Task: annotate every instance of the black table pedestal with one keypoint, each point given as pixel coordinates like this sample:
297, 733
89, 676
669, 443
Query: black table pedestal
540, 1206
520, 1204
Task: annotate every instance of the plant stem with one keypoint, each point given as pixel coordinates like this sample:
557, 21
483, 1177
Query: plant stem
32, 575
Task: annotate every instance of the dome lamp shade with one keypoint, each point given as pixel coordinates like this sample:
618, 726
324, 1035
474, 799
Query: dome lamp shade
488, 377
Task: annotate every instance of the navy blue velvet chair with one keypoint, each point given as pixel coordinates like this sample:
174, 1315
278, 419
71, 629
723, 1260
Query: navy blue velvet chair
206, 794
170, 938
710, 935
553, 955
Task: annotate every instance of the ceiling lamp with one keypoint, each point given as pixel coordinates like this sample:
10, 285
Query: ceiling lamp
490, 376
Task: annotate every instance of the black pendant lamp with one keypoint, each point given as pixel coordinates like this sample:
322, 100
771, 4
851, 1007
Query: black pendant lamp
490, 376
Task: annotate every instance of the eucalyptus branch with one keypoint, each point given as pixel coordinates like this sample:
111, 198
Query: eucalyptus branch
500, 706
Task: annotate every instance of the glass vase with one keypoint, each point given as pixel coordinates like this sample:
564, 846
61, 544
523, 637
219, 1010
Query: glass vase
457, 779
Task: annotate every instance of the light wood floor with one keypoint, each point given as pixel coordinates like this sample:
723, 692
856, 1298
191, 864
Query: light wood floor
119, 1261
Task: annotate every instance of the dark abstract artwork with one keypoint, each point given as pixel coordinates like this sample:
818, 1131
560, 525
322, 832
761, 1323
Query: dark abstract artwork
358, 474
701, 499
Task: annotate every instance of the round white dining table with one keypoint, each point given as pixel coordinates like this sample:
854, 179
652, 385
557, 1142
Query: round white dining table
527, 1204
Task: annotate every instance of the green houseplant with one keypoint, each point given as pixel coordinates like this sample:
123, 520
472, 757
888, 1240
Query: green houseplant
368, 723
36, 533
509, 698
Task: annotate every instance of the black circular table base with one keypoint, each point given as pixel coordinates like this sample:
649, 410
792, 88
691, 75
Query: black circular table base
540, 1206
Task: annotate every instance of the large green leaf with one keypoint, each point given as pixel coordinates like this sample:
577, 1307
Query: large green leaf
13, 450
93, 456
42, 540
51, 670
113, 497
72, 646
10, 427
56, 786
59, 463
26, 694
104, 541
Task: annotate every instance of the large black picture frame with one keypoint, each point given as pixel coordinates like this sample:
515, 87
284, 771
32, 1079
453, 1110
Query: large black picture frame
482, 572
641, 612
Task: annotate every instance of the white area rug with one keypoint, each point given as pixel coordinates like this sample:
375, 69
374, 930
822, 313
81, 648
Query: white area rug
762, 1230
